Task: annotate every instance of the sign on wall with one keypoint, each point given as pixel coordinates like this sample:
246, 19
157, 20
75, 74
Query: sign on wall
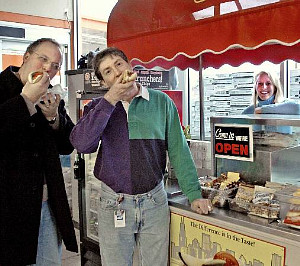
91, 82
153, 79
203, 241
233, 141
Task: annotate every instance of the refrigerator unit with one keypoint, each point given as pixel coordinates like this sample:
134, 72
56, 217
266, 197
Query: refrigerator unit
83, 86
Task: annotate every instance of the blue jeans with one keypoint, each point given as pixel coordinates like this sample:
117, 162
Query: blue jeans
49, 243
147, 219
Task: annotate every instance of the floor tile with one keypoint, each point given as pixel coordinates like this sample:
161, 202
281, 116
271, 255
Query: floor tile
71, 258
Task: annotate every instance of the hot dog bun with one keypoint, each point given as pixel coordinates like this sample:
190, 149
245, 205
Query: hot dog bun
128, 76
35, 76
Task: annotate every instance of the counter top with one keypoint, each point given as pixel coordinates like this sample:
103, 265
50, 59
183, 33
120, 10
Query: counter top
260, 119
249, 221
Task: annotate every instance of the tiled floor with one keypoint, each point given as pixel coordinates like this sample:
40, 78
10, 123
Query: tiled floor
71, 258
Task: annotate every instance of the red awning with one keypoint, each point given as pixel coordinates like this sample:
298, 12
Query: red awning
171, 33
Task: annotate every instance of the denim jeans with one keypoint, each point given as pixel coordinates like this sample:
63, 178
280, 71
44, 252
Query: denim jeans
147, 219
49, 243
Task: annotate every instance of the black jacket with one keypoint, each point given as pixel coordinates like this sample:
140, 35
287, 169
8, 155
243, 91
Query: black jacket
29, 151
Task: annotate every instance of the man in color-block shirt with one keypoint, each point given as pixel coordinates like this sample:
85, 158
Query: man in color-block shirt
136, 127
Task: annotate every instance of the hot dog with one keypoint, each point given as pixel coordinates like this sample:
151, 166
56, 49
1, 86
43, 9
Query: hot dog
35, 76
128, 76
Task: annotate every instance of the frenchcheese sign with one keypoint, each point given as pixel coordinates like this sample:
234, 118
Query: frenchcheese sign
233, 141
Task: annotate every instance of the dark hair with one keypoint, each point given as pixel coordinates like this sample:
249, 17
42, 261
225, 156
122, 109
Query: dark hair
31, 48
104, 53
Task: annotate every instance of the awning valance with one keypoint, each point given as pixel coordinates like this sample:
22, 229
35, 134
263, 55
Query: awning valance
171, 33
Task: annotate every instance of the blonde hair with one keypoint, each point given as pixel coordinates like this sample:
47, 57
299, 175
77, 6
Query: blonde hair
278, 92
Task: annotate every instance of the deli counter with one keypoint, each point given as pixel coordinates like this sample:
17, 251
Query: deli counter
262, 150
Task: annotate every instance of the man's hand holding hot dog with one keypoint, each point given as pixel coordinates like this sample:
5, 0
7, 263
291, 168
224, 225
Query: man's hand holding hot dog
124, 89
34, 91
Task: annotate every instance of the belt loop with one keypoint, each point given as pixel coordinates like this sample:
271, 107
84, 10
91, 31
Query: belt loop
121, 198
137, 198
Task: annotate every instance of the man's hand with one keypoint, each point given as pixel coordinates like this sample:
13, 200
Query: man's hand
121, 92
34, 91
202, 206
50, 106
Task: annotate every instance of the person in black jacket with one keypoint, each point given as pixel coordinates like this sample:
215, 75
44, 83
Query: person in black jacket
34, 130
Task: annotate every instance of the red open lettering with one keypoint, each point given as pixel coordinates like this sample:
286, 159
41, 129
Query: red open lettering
244, 150
219, 147
227, 147
234, 149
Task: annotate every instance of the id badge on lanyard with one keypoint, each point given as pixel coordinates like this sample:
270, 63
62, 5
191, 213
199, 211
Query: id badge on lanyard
119, 215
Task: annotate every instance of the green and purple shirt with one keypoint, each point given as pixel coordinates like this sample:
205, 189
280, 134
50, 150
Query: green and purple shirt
132, 155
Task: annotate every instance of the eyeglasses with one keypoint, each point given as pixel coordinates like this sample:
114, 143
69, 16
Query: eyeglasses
45, 60
261, 84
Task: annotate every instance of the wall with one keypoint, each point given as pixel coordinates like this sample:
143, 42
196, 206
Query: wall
38, 19
50, 9
93, 33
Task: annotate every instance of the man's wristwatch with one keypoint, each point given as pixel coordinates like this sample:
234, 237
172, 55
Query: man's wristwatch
52, 121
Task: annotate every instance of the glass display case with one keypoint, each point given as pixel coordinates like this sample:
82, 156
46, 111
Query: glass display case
275, 163
83, 87
92, 196
276, 154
